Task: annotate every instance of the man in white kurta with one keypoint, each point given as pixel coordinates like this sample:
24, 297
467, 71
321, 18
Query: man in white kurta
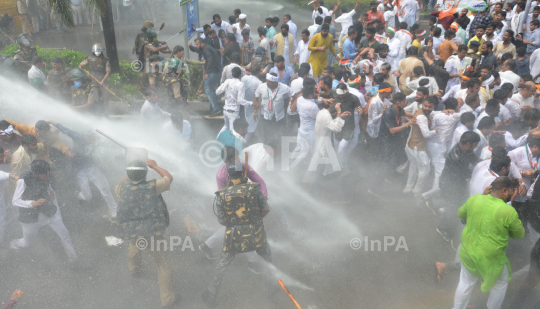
394, 47
405, 37
305, 141
251, 82
346, 20
151, 113
234, 97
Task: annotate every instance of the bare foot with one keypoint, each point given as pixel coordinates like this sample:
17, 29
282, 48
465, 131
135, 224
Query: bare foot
441, 268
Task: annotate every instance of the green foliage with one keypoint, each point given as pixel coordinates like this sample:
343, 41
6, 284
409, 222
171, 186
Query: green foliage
126, 83
196, 79
10, 50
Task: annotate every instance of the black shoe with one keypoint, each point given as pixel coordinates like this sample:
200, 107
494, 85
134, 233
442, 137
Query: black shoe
209, 299
207, 251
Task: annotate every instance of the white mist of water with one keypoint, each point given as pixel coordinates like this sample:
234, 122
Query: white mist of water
300, 227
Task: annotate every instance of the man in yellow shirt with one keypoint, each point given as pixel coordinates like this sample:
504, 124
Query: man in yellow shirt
478, 37
420, 36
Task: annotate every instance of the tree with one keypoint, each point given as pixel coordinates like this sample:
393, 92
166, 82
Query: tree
104, 7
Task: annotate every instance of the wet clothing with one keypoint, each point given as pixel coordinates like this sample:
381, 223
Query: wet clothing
240, 209
490, 223
142, 212
97, 66
26, 55
88, 93
58, 88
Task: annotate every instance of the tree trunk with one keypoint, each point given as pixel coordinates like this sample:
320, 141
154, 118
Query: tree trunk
109, 36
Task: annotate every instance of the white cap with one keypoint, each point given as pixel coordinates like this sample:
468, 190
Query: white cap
242, 16
271, 78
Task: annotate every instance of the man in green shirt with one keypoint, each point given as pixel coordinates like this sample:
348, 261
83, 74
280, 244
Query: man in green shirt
489, 224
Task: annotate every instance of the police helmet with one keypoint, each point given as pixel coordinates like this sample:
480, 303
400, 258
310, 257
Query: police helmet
151, 33
24, 41
137, 170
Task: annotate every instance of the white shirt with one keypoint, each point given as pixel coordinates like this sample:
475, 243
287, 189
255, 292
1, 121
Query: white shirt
446, 125
260, 156
224, 26
227, 72
512, 143
451, 93
483, 143
484, 165
278, 97
452, 68
346, 21
302, 51
307, 110
518, 98
19, 202
35, 72
534, 63
481, 116
512, 78
151, 112
238, 34
514, 106
390, 18
522, 159
432, 86
265, 43
486, 153
375, 112
461, 128
481, 181
297, 85
405, 42
316, 13
312, 29
186, 130
234, 94
325, 125
394, 46
250, 86
292, 28
359, 95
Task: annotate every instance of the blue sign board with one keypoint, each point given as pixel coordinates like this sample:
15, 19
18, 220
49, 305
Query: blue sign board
191, 11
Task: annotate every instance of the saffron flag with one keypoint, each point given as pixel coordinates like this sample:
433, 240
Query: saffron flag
452, 6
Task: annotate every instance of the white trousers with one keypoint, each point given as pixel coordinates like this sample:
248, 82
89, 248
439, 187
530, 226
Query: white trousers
229, 119
77, 14
418, 169
437, 152
35, 24
344, 149
214, 241
93, 174
30, 231
466, 285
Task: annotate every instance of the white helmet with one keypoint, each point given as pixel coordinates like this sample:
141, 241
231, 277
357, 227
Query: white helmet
97, 49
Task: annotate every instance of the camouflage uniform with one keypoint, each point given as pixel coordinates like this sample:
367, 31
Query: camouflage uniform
59, 89
173, 87
26, 55
142, 214
139, 42
262, 64
98, 67
88, 93
240, 209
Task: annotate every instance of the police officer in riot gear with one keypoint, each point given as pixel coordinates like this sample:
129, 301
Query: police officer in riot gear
85, 95
140, 39
261, 60
151, 46
176, 92
143, 217
98, 67
240, 208
23, 57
